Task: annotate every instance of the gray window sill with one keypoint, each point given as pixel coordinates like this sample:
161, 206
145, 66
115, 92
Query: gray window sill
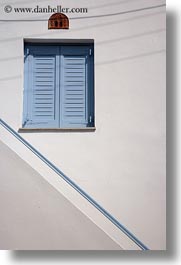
45, 130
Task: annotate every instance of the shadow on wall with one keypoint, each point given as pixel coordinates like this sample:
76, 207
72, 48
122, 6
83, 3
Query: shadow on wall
114, 41
9, 78
25, 2
97, 25
110, 4
89, 7
131, 57
172, 176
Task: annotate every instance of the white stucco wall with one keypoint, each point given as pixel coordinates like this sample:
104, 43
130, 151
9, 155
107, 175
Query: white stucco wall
122, 163
34, 216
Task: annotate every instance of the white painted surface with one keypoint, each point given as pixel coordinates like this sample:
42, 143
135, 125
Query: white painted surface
35, 216
122, 164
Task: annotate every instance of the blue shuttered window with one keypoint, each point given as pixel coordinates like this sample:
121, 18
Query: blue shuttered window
58, 89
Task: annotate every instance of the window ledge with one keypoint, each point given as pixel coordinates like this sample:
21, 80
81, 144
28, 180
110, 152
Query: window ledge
45, 130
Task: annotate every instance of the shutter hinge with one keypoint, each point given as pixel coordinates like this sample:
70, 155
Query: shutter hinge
25, 122
27, 53
90, 119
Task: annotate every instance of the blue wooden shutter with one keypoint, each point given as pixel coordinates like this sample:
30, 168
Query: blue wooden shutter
75, 105
41, 108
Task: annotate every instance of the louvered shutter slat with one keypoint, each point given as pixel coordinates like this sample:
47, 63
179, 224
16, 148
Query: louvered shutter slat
74, 91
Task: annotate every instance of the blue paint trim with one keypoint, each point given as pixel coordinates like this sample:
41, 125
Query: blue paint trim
65, 116
76, 187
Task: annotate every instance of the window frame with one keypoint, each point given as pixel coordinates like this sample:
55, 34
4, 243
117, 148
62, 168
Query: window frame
91, 89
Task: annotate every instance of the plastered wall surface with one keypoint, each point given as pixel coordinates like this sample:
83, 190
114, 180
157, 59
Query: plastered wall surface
35, 216
122, 163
